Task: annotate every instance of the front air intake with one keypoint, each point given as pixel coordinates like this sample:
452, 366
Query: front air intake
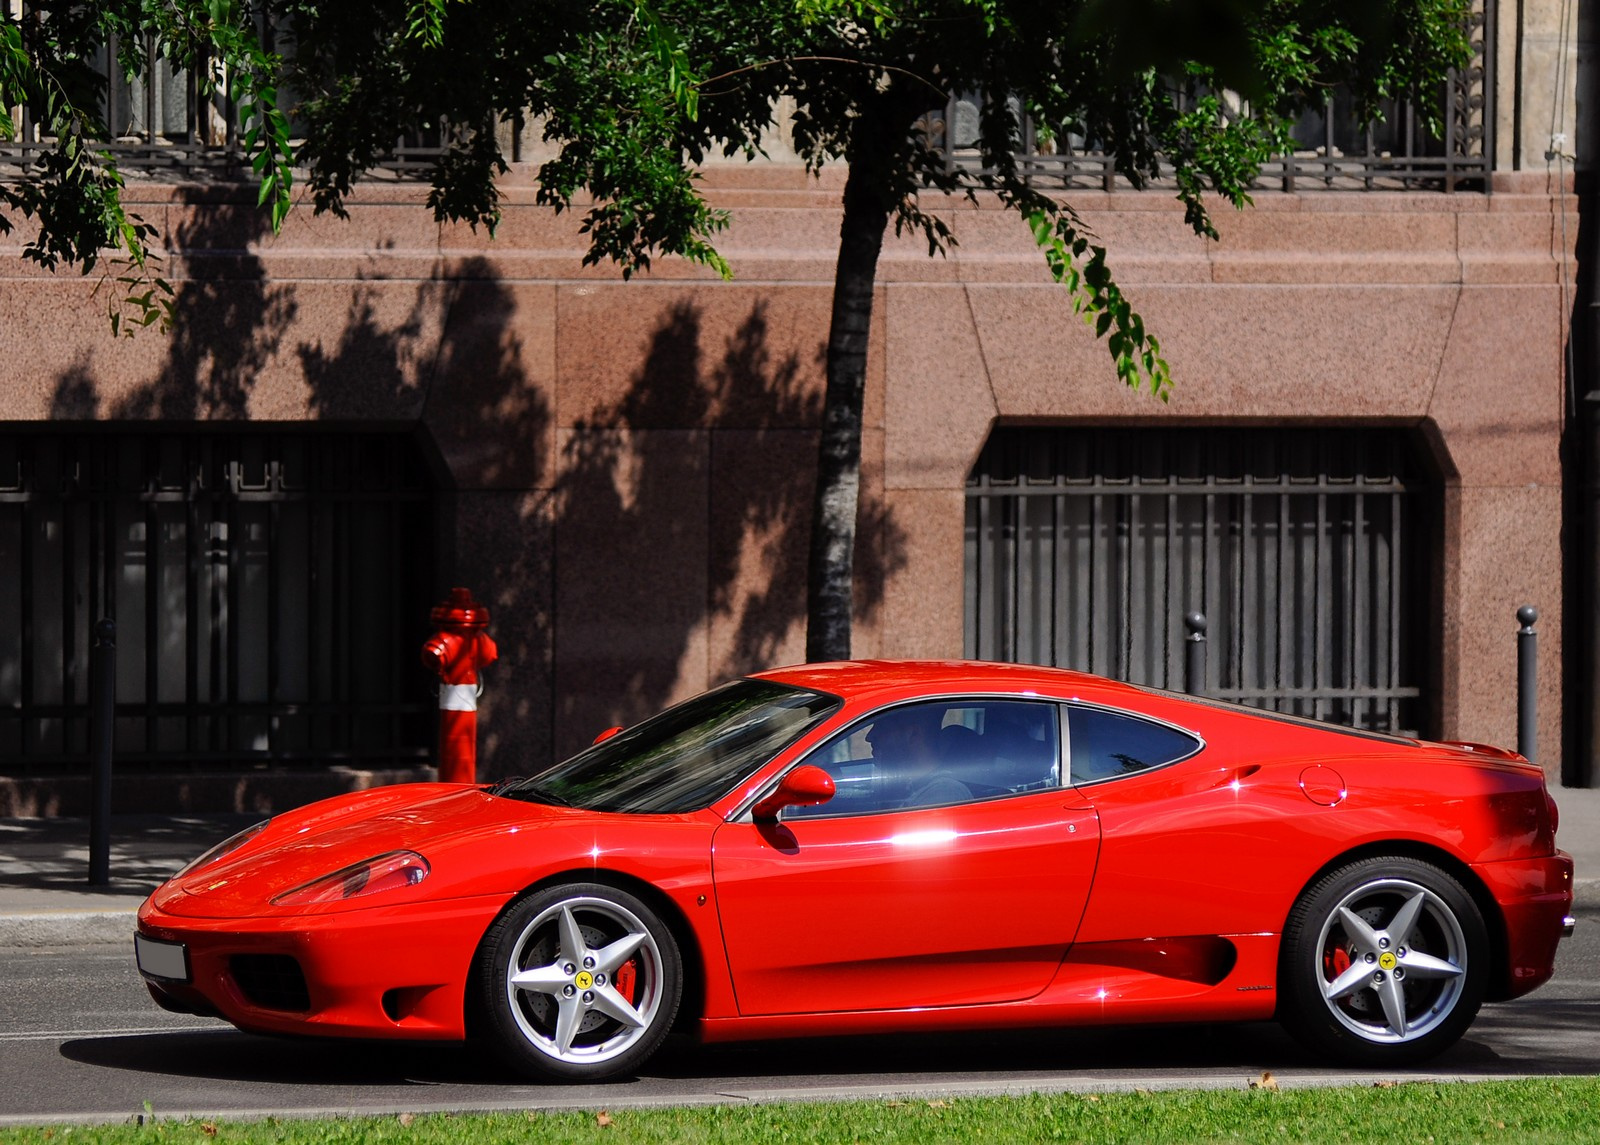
271, 981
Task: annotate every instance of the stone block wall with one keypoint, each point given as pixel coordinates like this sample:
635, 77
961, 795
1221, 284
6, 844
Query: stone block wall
629, 464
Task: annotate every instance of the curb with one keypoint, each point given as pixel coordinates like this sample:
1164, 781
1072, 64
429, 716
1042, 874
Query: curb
736, 1096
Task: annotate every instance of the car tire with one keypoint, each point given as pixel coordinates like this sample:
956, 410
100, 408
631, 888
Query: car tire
578, 982
1384, 962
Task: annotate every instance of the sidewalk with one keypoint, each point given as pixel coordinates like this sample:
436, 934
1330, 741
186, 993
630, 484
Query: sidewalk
45, 899
44, 866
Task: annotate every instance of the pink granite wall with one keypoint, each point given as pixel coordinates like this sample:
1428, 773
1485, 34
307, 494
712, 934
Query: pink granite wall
1444, 312
632, 461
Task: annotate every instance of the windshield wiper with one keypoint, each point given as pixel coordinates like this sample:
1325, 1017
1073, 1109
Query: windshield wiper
528, 792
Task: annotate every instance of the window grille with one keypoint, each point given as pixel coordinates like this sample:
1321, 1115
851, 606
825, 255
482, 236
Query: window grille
165, 123
1307, 550
1334, 149
270, 592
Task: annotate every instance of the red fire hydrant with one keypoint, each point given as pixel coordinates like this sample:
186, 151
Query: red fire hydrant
455, 652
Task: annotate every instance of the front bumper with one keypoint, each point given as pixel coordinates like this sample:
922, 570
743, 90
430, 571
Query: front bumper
389, 971
1535, 900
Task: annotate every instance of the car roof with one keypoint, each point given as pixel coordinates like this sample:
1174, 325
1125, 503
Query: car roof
898, 679
874, 682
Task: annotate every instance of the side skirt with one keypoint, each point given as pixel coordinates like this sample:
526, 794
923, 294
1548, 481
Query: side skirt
1229, 978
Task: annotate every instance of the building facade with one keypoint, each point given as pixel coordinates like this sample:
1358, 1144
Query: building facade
1359, 478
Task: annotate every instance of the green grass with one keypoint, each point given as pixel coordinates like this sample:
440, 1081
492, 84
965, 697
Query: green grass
1523, 1112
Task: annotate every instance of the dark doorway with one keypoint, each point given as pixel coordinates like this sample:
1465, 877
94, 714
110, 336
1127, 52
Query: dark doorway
270, 590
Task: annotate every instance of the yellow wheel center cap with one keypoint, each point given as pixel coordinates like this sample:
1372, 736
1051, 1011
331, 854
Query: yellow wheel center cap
1387, 960
584, 980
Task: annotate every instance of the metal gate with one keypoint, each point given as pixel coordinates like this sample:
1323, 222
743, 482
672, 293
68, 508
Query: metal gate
1307, 551
270, 591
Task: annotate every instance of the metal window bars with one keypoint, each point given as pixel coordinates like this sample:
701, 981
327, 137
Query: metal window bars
1334, 150
1305, 549
270, 591
162, 126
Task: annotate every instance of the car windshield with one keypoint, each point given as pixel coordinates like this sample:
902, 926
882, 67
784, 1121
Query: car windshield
684, 758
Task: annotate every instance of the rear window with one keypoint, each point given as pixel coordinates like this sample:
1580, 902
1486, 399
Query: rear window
1106, 745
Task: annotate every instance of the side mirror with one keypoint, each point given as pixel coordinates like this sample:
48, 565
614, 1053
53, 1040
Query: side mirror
805, 786
605, 735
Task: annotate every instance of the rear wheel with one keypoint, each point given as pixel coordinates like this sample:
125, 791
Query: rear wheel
579, 982
1384, 962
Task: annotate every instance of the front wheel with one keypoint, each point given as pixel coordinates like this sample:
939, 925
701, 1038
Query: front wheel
579, 982
1384, 962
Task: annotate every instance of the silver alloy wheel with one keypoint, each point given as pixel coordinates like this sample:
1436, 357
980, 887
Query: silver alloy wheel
1393, 961
562, 980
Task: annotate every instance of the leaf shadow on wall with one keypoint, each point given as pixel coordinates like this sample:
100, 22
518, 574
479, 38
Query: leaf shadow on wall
682, 516
259, 359
656, 546
229, 325
452, 359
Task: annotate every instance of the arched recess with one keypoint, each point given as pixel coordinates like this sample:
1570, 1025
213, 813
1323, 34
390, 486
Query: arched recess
1311, 553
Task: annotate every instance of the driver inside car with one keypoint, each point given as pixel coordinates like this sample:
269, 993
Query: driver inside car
909, 753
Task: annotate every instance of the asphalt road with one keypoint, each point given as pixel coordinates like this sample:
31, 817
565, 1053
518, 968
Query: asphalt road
81, 1041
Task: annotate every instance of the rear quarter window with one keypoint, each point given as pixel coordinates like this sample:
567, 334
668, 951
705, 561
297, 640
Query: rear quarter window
1107, 745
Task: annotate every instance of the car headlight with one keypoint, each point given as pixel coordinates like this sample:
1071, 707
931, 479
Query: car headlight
227, 846
385, 872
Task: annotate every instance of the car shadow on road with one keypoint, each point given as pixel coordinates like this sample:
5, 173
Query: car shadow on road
1502, 1043
224, 1054
1493, 1048
228, 1055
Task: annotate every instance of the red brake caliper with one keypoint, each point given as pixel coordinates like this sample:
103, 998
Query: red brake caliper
624, 980
1335, 963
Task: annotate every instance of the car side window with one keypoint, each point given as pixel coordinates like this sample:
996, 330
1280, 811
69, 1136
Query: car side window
1105, 745
938, 753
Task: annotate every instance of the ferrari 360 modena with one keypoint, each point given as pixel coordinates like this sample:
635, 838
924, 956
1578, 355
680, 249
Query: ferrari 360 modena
892, 847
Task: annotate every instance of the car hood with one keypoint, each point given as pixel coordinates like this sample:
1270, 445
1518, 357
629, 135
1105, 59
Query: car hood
475, 843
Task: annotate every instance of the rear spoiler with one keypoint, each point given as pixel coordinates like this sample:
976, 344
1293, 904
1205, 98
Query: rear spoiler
1485, 749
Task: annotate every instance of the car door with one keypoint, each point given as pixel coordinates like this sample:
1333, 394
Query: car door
872, 902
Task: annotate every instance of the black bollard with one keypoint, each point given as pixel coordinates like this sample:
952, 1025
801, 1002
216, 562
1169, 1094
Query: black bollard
102, 713
1527, 684
1194, 654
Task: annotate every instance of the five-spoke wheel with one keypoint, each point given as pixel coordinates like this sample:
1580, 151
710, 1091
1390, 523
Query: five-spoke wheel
581, 982
1383, 962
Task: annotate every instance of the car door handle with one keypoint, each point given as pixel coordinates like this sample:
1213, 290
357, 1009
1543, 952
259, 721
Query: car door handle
1086, 820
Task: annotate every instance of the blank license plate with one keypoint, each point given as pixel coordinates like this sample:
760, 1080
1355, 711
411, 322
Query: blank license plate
161, 959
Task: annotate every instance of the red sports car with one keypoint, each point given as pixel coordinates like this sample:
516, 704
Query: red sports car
892, 847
